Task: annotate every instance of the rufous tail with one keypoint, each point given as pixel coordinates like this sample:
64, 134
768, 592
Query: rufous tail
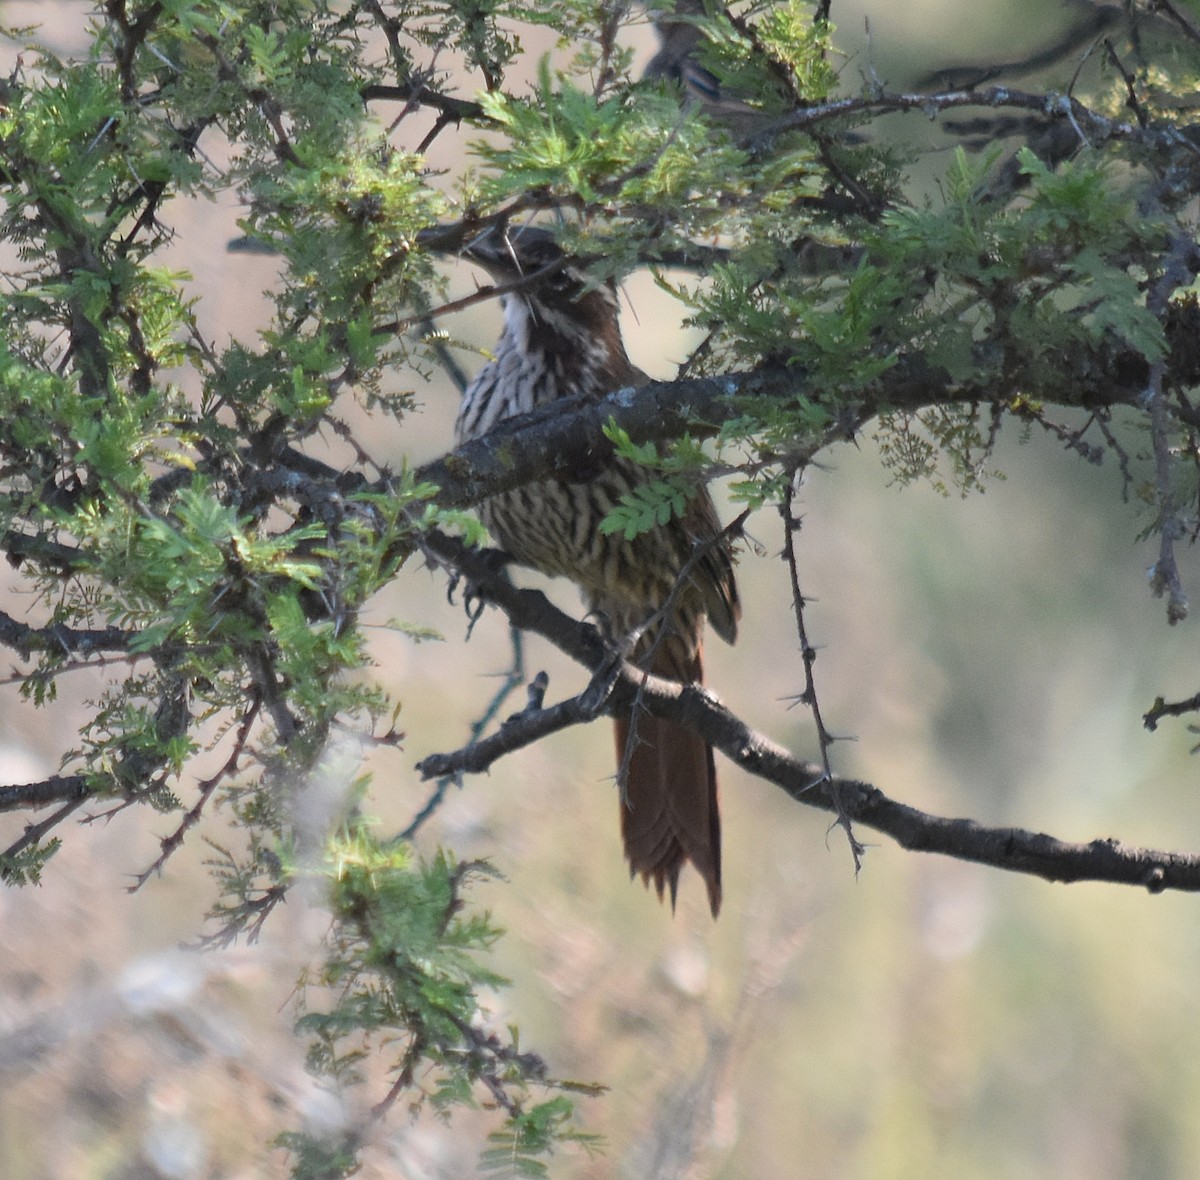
669, 809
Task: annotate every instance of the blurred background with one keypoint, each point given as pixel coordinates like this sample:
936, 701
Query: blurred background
990, 656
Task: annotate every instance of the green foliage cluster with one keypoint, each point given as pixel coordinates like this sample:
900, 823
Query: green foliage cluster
141, 491
403, 969
657, 500
155, 490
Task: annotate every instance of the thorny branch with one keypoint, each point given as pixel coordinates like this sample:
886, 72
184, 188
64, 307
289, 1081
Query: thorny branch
69, 788
525, 727
34, 833
808, 656
1089, 124
135, 775
1092, 127
56, 639
1011, 849
169, 845
557, 439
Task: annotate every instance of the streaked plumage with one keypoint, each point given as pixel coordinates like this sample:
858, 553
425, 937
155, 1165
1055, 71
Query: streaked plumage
561, 339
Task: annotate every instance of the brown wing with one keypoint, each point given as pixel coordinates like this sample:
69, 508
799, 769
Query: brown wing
714, 577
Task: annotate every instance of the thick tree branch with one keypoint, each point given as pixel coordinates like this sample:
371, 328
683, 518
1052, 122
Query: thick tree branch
1011, 849
26, 640
568, 436
1092, 127
420, 93
59, 788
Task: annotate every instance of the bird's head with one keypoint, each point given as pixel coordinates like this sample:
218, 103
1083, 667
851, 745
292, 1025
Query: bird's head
549, 292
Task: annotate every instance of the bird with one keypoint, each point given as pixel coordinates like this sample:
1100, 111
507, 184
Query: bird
677, 62
561, 338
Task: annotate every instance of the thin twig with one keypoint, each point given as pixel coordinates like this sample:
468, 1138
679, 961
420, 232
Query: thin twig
168, 845
808, 654
449, 770
34, 832
523, 728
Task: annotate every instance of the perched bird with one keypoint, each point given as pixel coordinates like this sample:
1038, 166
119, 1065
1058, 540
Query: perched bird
675, 60
562, 338
678, 61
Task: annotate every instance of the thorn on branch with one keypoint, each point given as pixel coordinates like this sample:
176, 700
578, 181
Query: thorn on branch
536, 690
808, 655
